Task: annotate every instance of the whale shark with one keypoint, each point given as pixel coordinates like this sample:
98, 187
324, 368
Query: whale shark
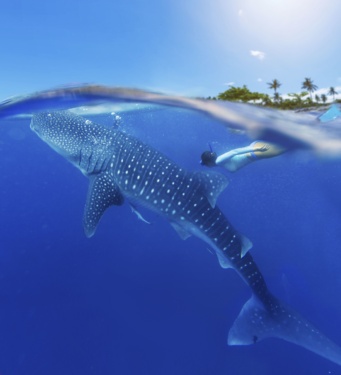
122, 168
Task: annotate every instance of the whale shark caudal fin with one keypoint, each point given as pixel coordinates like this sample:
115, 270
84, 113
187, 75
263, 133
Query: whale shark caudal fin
257, 322
102, 193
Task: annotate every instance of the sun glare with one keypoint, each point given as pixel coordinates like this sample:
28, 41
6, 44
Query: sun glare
278, 26
282, 23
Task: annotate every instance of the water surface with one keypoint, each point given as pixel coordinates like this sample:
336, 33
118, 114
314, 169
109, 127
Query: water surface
135, 298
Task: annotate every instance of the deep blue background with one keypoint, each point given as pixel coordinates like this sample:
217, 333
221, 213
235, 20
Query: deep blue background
135, 298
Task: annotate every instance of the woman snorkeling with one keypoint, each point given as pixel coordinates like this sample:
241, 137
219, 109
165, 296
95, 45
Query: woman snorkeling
240, 157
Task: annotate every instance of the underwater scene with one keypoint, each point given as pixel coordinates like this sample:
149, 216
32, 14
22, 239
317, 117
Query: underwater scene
144, 233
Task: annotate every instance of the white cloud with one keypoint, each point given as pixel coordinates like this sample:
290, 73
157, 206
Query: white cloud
240, 12
229, 84
259, 80
258, 54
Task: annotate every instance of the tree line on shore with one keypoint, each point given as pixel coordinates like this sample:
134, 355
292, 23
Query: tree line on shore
300, 100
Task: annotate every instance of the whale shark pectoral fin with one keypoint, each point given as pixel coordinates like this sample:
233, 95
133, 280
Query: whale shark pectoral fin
181, 231
102, 193
212, 184
257, 322
246, 245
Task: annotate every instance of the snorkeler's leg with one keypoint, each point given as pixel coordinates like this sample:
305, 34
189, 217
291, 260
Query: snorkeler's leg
263, 150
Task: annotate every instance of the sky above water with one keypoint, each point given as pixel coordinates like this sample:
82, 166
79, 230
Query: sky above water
193, 47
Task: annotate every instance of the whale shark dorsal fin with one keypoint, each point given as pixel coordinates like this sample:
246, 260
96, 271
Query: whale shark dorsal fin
212, 184
102, 193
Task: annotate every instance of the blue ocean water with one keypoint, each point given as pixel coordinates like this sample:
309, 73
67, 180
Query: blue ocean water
135, 298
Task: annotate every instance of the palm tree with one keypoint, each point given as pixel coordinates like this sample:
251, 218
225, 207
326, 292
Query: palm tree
308, 85
274, 85
317, 98
277, 97
332, 92
324, 98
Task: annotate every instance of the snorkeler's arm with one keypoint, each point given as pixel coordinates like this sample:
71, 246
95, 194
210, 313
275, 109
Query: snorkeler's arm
240, 151
230, 154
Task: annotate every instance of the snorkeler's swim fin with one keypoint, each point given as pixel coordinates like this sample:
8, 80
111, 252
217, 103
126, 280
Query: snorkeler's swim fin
330, 115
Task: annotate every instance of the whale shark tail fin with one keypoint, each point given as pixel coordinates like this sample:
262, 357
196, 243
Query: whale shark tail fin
257, 322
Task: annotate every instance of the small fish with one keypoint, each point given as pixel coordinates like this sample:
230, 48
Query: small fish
139, 216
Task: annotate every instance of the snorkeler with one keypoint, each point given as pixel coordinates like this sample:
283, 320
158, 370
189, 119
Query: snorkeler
240, 157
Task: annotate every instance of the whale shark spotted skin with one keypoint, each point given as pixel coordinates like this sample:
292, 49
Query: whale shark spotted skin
121, 167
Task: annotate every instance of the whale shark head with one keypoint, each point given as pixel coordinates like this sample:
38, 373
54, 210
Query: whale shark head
72, 136
63, 132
